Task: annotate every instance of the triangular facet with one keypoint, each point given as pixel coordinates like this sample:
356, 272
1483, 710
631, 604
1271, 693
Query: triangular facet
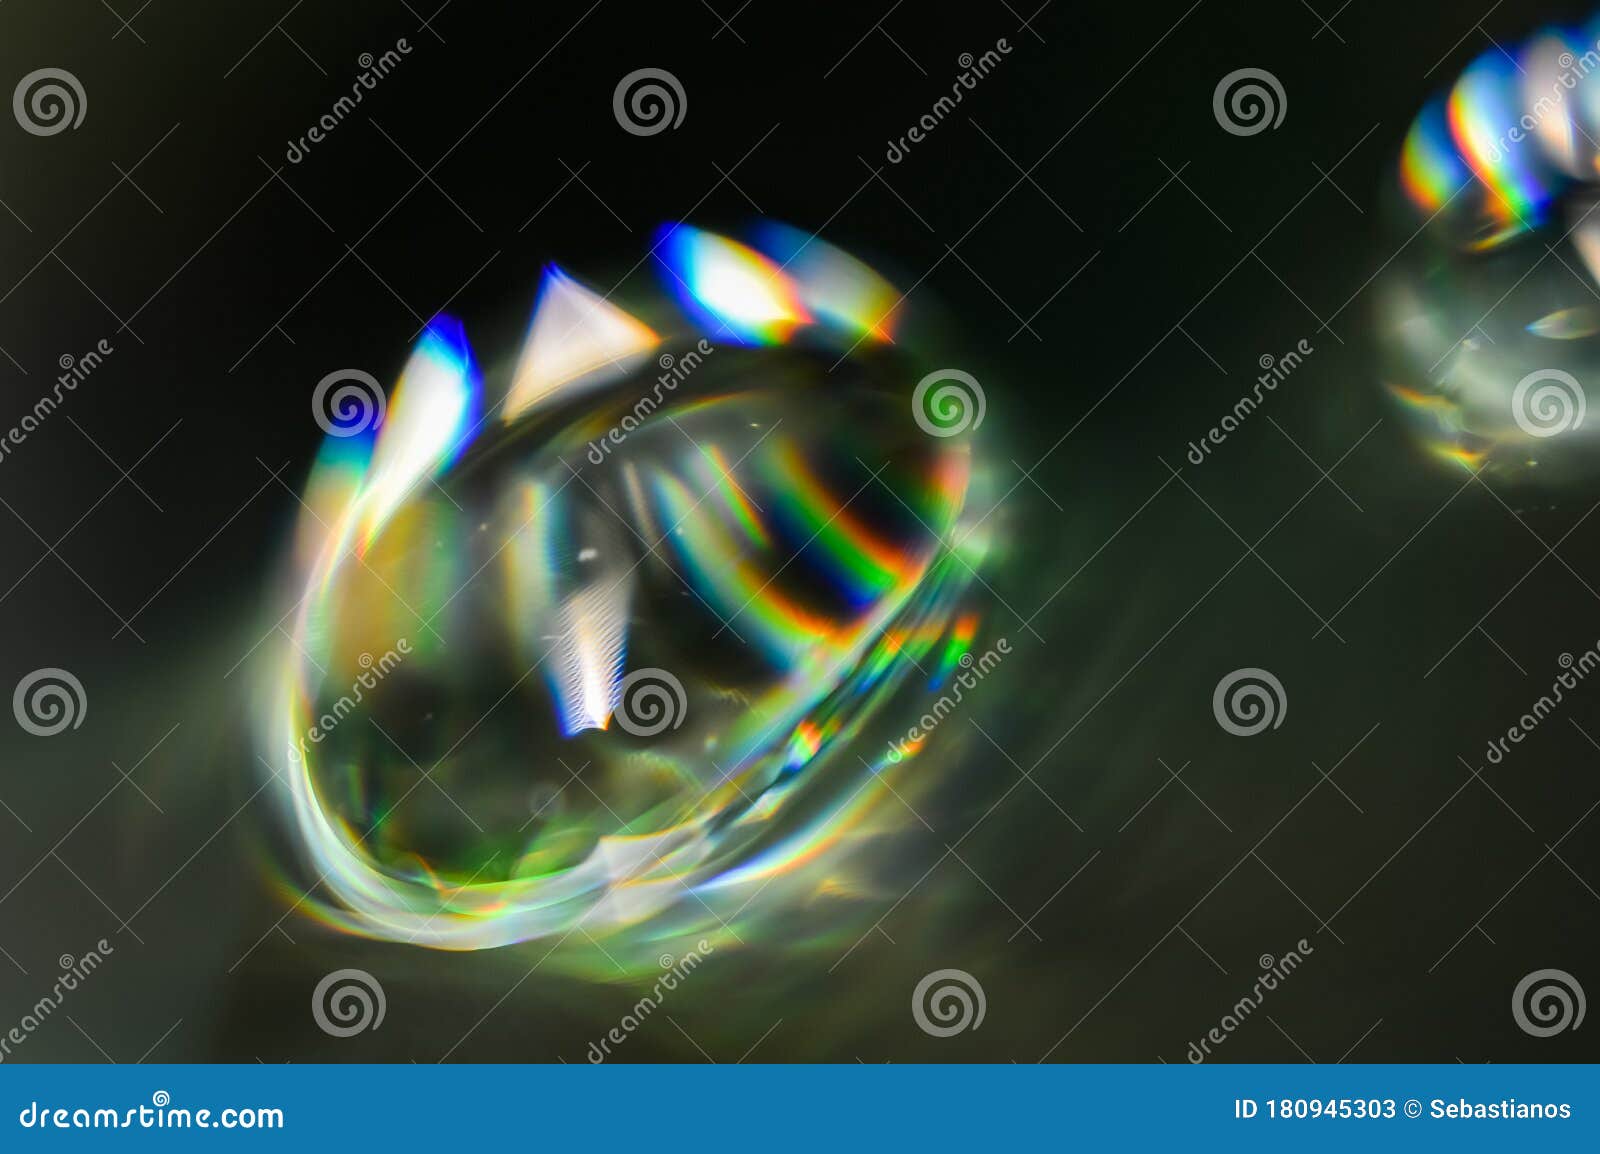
575, 335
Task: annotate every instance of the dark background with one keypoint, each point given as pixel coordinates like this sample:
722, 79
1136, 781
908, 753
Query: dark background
229, 282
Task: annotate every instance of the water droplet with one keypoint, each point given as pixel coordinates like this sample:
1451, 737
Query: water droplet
708, 557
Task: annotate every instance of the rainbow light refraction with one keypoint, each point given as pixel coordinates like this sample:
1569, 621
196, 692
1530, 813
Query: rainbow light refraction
1517, 126
1486, 305
742, 293
1431, 170
1483, 108
435, 407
